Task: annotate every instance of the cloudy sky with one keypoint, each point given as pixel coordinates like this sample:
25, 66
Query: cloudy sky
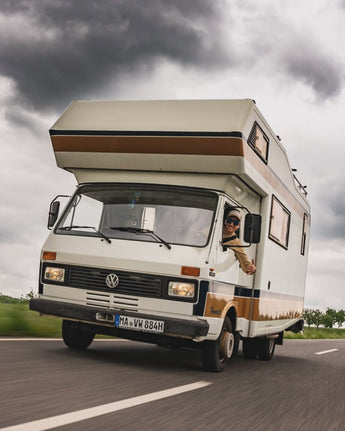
288, 55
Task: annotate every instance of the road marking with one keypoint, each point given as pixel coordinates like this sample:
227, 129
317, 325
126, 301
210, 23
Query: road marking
326, 351
80, 415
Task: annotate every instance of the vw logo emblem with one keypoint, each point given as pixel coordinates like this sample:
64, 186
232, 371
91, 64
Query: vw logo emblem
112, 280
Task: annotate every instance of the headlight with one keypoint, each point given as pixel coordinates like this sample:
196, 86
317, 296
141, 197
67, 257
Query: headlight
54, 274
176, 288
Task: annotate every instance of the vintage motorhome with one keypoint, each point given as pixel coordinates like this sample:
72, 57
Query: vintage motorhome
137, 252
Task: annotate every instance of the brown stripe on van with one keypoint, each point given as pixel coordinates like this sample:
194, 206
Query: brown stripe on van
216, 305
219, 146
266, 309
279, 307
263, 309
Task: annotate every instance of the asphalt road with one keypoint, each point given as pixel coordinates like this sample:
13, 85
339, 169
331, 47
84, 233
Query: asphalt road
300, 389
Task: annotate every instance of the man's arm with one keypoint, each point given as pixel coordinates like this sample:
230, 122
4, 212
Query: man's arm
247, 266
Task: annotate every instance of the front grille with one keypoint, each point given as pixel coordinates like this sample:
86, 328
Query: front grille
129, 283
98, 299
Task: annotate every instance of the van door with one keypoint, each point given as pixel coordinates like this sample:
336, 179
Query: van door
228, 267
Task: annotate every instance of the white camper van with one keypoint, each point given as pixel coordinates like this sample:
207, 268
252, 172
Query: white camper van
137, 252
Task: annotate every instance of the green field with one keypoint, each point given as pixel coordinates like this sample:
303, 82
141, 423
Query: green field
16, 320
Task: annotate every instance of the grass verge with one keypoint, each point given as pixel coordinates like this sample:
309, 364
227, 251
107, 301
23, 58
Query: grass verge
317, 333
16, 320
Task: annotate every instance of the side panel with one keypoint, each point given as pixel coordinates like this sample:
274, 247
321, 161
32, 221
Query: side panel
281, 272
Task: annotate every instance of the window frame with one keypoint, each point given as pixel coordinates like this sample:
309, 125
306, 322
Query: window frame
252, 142
85, 188
304, 234
272, 237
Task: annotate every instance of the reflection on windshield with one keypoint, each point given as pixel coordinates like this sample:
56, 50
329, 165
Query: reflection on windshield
177, 215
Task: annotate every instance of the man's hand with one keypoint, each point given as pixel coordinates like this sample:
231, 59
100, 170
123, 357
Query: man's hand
251, 268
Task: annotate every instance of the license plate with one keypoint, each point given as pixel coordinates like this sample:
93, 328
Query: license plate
139, 324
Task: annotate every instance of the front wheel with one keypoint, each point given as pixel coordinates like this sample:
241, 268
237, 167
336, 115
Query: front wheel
216, 354
76, 336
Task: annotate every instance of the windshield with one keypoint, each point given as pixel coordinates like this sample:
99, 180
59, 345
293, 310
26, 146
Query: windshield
172, 215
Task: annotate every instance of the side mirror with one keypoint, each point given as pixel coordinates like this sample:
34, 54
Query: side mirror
53, 213
252, 228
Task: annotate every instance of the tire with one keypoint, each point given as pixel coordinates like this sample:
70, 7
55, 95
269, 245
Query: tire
76, 336
258, 347
216, 354
266, 349
250, 348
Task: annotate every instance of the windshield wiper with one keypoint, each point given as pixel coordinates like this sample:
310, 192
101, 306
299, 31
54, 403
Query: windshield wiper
139, 230
87, 227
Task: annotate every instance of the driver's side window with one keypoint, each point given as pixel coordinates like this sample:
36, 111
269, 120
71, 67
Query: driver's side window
227, 232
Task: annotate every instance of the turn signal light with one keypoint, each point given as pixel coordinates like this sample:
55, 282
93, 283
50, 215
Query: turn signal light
49, 255
190, 270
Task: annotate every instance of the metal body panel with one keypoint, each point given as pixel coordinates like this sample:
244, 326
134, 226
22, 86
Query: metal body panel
200, 144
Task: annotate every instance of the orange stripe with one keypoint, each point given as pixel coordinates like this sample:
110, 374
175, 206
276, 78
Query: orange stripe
220, 146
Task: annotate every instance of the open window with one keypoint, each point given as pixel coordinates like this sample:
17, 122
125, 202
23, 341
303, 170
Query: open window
279, 223
252, 227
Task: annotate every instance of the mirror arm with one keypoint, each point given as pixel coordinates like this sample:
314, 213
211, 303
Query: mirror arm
54, 214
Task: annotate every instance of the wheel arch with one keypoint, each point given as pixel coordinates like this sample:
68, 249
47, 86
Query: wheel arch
232, 314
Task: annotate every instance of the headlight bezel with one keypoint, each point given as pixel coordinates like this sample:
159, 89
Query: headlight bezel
183, 285
54, 267
54, 274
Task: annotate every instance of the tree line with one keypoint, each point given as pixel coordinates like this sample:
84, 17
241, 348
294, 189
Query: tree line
328, 319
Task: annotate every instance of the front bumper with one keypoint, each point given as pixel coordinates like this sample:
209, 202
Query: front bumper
181, 328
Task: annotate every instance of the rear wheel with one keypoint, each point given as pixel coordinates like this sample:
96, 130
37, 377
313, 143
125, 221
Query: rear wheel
216, 354
266, 349
250, 348
76, 335
258, 347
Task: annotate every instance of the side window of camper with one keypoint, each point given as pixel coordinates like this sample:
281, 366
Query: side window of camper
279, 223
259, 141
304, 234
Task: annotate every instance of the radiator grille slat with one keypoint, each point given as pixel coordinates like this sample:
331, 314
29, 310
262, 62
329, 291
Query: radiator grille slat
129, 284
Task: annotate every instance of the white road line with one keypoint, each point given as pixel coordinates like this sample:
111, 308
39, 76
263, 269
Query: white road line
326, 351
80, 415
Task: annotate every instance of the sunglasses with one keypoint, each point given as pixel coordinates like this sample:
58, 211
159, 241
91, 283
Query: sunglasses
234, 221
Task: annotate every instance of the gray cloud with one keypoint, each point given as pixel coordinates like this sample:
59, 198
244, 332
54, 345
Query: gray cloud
334, 201
56, 51
322, 74
329, 208
297, 52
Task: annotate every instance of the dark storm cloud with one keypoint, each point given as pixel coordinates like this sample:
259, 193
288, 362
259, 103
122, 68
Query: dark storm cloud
316, 70
55, 51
